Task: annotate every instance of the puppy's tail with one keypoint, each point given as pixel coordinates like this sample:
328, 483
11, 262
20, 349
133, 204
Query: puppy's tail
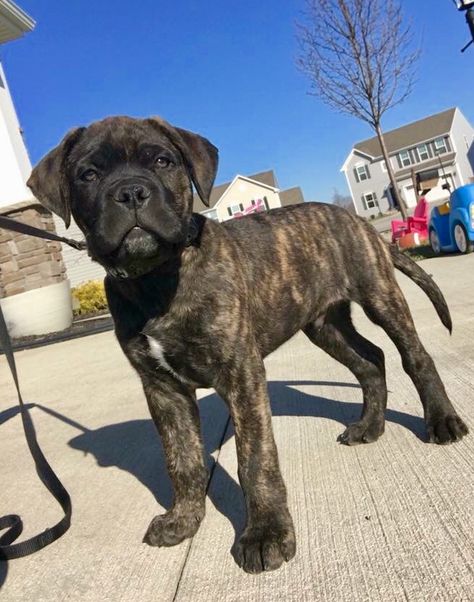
424, 281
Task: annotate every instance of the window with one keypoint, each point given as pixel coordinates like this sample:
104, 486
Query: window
404, 158
369, 200
212, 214
383, 165
440, 146
423, 152
361, 172
233, 209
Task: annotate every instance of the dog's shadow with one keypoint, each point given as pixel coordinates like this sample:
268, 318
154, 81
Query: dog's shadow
134, 446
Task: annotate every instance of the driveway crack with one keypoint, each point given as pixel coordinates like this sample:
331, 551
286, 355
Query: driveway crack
211, 474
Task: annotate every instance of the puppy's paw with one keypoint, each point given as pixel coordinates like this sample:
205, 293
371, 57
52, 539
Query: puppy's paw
265, 547
361, 432
446, 429
172, 528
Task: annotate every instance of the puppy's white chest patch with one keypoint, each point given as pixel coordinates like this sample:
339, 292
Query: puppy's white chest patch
157, 352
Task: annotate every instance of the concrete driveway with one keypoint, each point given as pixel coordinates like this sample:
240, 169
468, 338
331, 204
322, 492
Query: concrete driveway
392, 520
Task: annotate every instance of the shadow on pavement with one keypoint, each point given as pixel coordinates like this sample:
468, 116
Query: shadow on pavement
134, 446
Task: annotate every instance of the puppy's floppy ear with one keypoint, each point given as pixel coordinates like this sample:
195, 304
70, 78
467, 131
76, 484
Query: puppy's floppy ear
48, 179
200, 156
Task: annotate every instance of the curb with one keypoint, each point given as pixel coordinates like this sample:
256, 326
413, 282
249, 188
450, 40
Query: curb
96, 326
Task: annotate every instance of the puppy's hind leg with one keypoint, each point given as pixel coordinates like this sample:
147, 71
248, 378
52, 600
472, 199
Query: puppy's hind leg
338, 337
388, 309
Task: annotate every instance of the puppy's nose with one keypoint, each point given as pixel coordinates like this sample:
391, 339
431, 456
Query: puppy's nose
132, 194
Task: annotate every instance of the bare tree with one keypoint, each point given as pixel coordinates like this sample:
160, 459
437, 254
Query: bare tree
358, 56
343, 200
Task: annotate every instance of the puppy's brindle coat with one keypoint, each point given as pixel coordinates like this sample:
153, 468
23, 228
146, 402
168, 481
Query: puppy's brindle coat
200, 304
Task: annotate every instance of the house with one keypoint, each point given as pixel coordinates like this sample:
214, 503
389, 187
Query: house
426, 156
226, 201
236, 198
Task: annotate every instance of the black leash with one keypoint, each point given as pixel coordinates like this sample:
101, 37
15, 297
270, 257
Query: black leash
12, 522
10, 224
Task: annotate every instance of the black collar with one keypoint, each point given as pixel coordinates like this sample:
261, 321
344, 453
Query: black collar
194, 230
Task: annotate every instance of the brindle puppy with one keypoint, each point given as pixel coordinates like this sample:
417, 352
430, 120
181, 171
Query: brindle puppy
200, 304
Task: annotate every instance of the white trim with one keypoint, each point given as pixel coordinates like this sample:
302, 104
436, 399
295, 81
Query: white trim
239, 177
352, 194
14, 20
351, 154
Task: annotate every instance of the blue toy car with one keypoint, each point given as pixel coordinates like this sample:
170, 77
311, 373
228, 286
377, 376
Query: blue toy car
451, 226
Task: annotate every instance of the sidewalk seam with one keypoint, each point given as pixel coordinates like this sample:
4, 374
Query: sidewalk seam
211, 474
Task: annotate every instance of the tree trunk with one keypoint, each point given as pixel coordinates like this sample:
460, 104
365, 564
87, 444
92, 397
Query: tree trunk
391, 174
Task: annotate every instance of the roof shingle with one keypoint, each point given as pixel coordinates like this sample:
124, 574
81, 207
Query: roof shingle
410, 134
292, 196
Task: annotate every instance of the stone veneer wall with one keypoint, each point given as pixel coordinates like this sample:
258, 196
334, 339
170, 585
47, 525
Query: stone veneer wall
26, 262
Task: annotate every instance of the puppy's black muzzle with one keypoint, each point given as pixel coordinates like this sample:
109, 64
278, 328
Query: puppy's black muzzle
134, 194
135, 210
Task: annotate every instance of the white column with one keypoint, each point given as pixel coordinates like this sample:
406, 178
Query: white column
15, 166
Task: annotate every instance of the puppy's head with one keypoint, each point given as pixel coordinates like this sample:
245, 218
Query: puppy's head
128, 184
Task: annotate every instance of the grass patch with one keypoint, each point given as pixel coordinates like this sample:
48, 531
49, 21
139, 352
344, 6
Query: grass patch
420, 253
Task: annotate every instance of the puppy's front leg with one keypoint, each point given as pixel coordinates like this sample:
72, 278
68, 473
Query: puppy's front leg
268, 539
175, 413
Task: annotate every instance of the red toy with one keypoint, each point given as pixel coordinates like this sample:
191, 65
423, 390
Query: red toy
417, 223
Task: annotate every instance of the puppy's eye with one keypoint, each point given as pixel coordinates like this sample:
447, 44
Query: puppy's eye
89, 175
163, 162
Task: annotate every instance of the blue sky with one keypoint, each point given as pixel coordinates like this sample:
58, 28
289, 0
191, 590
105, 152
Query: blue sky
225, 69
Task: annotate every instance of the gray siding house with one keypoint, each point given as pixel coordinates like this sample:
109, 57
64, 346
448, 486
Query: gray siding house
432, 152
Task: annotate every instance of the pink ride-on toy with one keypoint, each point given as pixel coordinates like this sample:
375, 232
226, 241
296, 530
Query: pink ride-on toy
417, 223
